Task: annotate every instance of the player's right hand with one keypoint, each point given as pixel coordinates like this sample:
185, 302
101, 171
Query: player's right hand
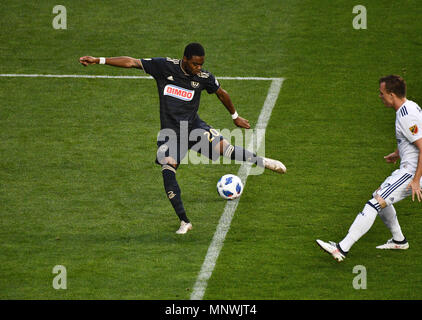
242, 123
392, 157
87, 60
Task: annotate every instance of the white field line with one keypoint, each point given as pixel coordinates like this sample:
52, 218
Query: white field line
230, 208
14, 75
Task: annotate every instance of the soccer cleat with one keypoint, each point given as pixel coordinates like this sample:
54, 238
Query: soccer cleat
331, 248
274, 165
391, 244
184, 227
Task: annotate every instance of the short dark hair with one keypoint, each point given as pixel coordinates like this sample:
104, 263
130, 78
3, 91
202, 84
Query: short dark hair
194, 49
394, 84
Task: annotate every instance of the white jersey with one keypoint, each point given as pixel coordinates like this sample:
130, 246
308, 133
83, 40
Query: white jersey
408, 130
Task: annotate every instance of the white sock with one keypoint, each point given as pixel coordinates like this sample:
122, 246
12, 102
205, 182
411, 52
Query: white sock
363, 222
389, 217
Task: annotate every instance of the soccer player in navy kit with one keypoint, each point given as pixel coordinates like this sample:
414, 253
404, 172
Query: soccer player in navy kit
180, 83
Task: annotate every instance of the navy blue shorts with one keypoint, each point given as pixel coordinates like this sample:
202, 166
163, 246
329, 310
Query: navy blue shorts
199, 137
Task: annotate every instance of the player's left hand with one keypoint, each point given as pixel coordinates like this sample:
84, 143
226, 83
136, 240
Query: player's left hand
416, 189
242, 123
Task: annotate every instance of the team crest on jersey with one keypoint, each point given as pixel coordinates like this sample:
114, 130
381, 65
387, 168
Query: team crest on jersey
175, 61
414, 129
194, 84
178, 92
204, 75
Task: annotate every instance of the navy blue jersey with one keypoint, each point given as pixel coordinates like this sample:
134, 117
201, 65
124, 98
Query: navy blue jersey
178, 91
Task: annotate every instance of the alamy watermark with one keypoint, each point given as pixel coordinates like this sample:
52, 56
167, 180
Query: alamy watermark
359, 21
60, 281
60, 20
359, 281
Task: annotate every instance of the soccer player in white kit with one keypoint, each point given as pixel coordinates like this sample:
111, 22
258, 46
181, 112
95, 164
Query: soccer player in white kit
402, 183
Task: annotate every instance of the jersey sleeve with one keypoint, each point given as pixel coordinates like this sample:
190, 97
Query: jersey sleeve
212, 84
153, 66
411, 127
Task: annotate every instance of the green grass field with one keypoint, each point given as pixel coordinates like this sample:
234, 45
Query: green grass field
78, 183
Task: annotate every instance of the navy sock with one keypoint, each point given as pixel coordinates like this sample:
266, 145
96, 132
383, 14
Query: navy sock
241, 154
173, 191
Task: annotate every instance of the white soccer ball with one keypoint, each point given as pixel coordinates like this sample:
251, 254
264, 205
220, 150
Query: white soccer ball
229, 187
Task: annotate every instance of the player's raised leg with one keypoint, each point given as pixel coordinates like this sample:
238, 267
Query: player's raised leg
240, 154
361, 225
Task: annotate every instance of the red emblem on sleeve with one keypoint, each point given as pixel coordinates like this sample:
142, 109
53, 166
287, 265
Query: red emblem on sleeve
414, 129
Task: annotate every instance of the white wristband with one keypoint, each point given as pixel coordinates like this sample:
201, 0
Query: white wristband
102, 60
235, 115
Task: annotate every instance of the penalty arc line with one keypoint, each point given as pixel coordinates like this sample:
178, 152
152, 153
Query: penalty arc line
230, 208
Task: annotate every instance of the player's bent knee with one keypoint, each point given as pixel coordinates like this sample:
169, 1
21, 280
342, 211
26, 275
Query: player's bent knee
221, 146
375, 192
380, 200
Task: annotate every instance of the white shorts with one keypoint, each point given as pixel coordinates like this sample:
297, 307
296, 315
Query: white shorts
393, 189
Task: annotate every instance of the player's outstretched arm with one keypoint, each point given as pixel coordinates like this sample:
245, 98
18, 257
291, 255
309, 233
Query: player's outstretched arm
227, 102
122, 62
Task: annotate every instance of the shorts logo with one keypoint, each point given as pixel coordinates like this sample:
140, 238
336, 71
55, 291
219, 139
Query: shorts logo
414, 129
178, 93
171, 195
